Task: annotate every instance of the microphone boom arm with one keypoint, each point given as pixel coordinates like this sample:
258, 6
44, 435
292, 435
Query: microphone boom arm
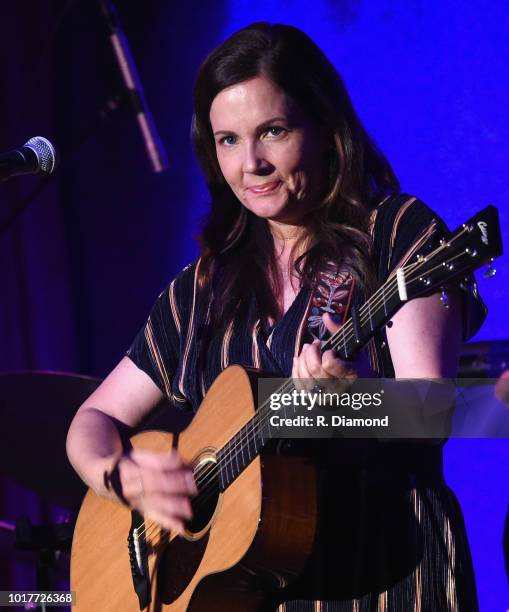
153, 144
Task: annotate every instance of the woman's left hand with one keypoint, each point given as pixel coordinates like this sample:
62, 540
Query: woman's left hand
313, 366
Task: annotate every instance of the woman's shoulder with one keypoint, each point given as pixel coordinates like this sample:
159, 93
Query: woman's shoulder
404, 225
179, 291
403, 221
184, 280
403, 209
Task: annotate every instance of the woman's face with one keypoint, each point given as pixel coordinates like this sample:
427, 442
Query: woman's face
270, 152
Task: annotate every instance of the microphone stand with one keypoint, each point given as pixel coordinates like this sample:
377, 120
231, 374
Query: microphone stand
47, 542
153, 144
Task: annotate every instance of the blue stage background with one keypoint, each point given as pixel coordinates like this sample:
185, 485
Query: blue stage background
83, 265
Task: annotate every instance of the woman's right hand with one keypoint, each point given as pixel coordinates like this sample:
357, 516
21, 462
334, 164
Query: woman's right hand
157, 485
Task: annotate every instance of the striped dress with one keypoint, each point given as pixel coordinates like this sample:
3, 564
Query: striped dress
390, 534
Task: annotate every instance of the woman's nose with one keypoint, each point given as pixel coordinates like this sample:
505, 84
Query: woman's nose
253, 160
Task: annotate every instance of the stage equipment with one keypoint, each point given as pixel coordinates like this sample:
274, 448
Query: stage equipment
136, 99
36, 409
36, 156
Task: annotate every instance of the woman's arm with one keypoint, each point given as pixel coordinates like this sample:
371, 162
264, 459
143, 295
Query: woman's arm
93, 442
424, 340
425, 337
156, 484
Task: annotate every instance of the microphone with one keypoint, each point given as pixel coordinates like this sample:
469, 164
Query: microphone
36, 156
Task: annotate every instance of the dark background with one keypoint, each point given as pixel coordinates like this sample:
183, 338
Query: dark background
88, 257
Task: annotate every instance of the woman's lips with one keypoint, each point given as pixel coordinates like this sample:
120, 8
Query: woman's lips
265, 188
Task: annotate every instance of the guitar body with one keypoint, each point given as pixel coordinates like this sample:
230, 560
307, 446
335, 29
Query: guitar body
256, 534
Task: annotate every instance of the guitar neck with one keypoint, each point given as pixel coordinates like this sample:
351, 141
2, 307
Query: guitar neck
359, 328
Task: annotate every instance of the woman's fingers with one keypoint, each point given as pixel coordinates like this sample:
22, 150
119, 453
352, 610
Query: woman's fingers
310, 361
159, 486
310, 365
330, 324
307, 366
332, 366
158, 461
164, 472
155, 476
178, 481
170, 513
313, 360
167, 522
176, 506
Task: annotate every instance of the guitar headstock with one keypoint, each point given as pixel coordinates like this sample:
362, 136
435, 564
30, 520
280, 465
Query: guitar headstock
476, 242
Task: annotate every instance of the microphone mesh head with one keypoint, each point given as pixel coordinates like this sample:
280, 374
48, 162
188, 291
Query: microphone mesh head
45, 152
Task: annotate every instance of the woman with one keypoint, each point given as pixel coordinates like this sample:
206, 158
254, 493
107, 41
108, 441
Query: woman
306, 218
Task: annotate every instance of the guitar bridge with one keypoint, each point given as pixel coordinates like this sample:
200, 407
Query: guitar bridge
138, 559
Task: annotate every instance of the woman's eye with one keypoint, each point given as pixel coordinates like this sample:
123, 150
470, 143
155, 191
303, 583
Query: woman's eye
275, 130
228, 140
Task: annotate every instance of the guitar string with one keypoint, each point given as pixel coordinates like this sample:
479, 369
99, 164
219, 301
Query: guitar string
251, 432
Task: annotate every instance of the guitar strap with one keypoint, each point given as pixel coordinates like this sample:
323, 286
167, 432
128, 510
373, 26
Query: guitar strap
335, 291
332, 293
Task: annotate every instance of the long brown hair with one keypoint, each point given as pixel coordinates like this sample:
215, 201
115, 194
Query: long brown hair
238, 256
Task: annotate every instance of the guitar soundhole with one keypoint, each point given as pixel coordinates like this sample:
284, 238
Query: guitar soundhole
205, 503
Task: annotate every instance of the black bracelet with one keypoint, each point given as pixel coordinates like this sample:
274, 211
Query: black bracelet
112, 482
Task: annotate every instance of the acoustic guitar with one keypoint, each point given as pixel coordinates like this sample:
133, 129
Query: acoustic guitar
255, 514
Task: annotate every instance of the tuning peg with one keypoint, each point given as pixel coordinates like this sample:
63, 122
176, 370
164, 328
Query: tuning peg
444, 299
490, 271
